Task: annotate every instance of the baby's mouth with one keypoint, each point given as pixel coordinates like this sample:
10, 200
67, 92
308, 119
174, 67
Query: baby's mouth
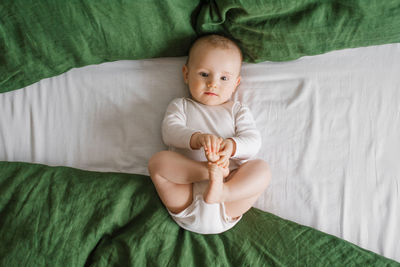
210, 93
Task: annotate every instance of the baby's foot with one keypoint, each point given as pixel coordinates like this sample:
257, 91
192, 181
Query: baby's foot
214, 192
225, 172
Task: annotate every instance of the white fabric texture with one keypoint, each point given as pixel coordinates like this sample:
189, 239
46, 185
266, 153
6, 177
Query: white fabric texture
204, 218
330, 127
185, 116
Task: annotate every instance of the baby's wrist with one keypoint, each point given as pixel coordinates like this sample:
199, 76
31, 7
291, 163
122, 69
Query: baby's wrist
233, 150
194, 140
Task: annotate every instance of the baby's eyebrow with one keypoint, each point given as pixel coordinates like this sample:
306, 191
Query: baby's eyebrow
228, 73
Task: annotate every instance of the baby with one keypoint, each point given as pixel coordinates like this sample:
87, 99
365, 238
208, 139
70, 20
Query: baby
208, 179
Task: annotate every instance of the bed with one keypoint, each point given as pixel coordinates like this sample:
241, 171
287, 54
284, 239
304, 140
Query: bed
81, 115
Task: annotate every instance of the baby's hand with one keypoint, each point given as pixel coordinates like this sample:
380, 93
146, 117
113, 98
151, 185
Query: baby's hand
212, 157
211, 144
228, 146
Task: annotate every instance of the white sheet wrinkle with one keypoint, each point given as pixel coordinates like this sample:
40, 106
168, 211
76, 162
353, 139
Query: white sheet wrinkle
330, 127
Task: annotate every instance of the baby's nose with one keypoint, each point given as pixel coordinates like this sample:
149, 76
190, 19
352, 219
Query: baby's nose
211, 85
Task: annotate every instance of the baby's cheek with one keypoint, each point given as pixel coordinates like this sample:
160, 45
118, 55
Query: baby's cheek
226, 95
197, 83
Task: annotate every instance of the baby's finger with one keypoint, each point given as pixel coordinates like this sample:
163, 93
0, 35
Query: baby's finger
216, 144
203, 142
221, 147
208, 144
210, 147
218, 141
215, 147
222, 152
221, 141
226, 164
206, 150
204, 145
213, 143
222, 159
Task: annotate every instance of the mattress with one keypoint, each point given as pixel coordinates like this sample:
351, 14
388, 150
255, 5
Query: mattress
330, 128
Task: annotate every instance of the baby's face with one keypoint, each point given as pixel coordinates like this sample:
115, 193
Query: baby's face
212, 74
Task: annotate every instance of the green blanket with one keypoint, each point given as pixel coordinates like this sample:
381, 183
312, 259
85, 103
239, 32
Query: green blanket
59, 216
45, 38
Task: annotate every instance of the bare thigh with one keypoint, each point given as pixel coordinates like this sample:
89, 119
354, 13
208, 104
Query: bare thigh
253, 178
175, 197
173, 175
236, 208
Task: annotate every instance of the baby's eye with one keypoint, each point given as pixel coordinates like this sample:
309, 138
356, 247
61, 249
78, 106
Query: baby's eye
203, 74
224, 78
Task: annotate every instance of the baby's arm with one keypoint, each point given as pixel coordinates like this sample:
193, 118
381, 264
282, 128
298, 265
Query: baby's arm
247, 138
174, 130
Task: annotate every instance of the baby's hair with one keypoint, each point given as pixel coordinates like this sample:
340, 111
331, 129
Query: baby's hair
216, 41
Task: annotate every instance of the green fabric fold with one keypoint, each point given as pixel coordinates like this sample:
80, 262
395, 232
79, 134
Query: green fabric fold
59, 216
279, 30
46, 38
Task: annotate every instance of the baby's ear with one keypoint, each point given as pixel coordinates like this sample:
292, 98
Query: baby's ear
237, 82
185, 73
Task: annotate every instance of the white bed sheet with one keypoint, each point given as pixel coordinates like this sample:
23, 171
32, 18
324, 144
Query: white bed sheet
330, 126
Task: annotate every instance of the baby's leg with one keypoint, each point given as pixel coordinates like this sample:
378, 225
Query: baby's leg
245, 186
215, 190
172, 175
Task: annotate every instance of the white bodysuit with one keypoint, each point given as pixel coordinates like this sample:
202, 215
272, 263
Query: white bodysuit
183, 118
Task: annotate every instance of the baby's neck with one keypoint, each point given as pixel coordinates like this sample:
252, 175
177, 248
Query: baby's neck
194, 100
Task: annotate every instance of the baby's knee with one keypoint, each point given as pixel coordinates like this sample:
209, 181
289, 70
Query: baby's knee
157, 160
264, 171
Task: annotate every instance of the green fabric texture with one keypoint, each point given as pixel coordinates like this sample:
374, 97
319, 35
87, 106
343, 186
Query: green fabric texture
280, 30
45, 38
60, 216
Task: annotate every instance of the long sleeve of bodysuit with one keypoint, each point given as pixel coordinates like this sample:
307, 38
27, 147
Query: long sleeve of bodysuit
184, 117
174, 130
247, 137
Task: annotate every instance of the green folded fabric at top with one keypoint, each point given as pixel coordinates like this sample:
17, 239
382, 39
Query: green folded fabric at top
44, 38
59, 216
277, 30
